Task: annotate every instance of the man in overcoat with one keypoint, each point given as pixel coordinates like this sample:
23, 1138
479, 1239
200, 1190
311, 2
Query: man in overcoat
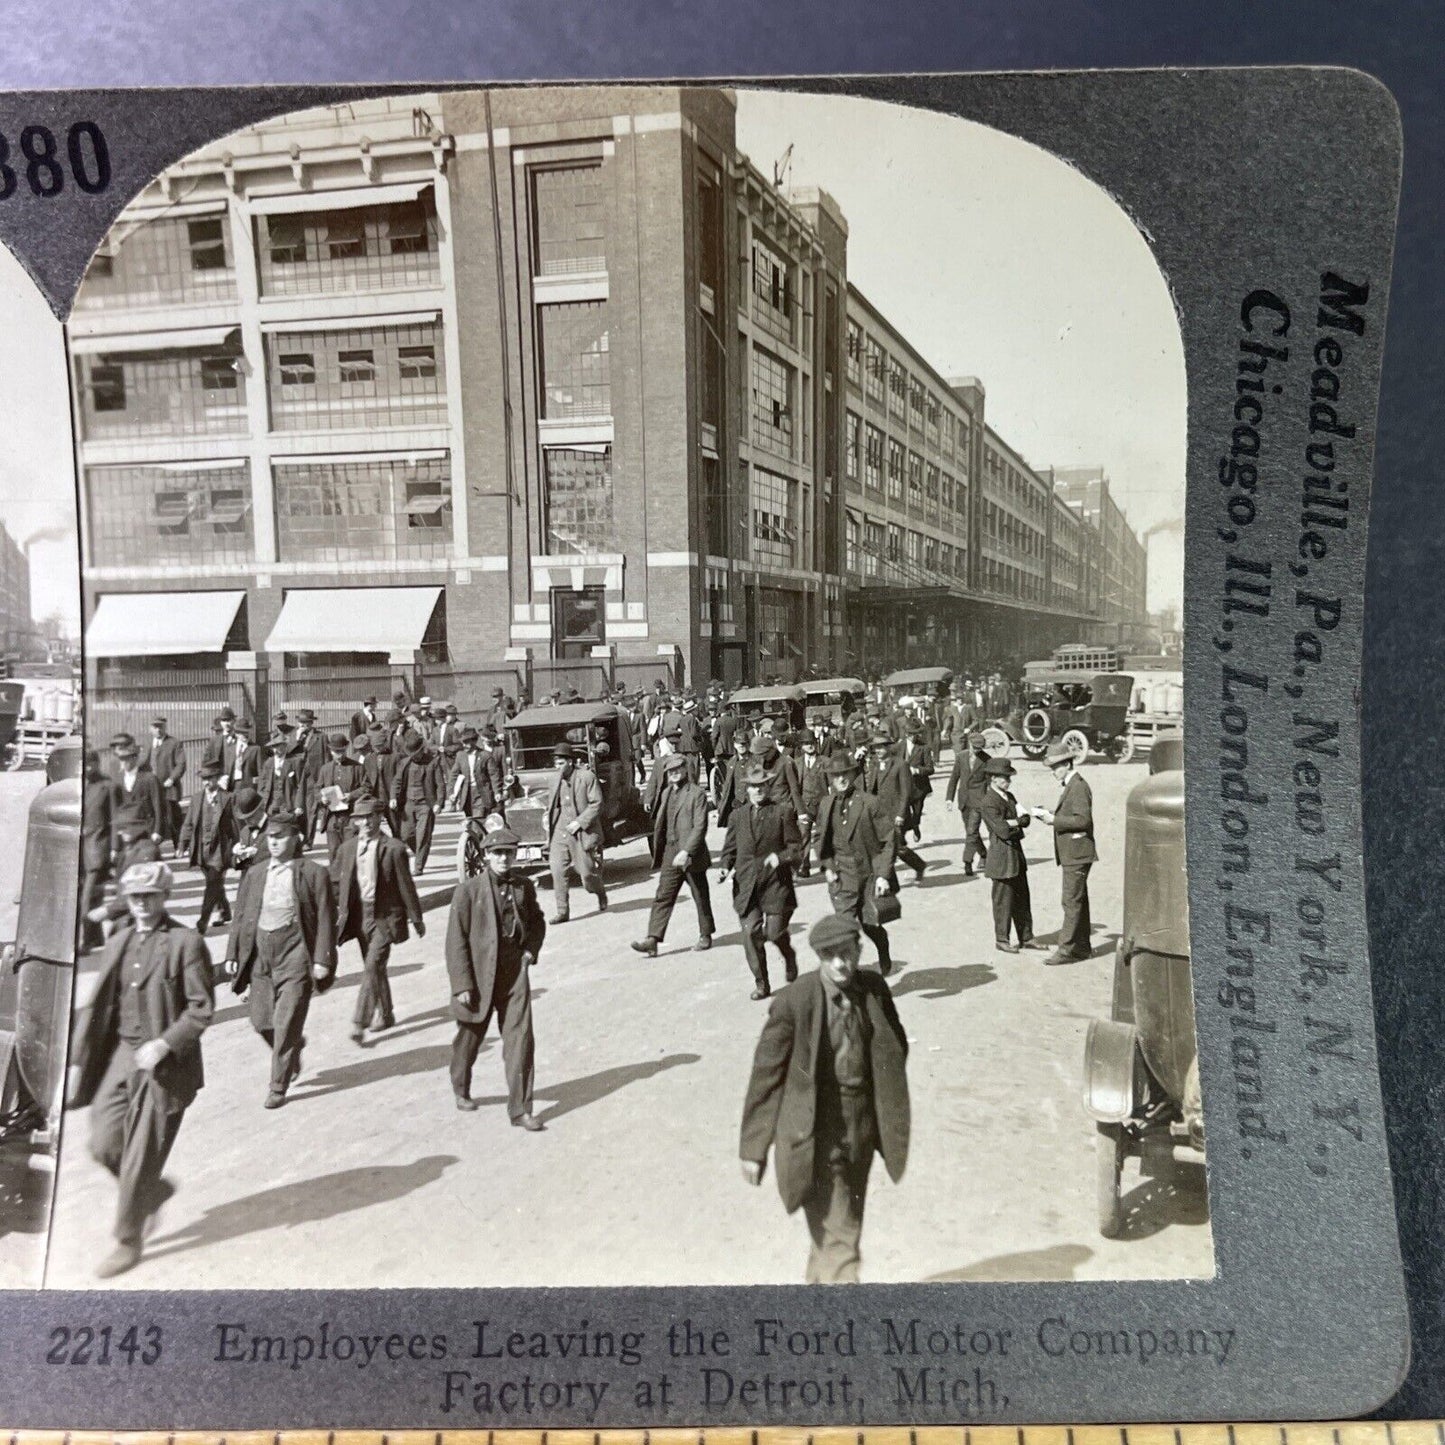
731, 789
347, 776
365, 718
574, 830
494, 936
889, 779
678, 810
856, 842
1006, 865
138, 1060
813, 788
761, 850
1072, 820
282, 946
415, 801
283, 783
95, 846
828, 1091
967, 784
207, 838
375, 901
167, 758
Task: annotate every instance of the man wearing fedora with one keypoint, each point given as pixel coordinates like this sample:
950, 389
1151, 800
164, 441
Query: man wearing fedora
856, 841
967, 784
282, 945
1072, 820
207, 839
167, 759
1006, 865
137, 1060
889, 779
282, 781
476, 788
678, 810
574, 830
339, 783
375, 901
762, 848
135, 789
365, 718
828, 1091
249, 813
494, 936
415, 801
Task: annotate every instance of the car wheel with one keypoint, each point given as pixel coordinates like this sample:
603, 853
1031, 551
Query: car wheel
996, 742
1076, 740
1036, 726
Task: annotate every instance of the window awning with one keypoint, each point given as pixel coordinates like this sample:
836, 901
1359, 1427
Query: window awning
161, 624
353, 619
296, 201
191, 338
370, 322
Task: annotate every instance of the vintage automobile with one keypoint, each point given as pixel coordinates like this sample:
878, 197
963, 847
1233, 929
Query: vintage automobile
604, 733
1141, 1072
931, 682
1156, 708
1085, 713
830, 701
779, 708
37, 971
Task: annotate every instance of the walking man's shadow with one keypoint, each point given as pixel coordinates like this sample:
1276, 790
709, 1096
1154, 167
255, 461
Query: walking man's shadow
578, 1093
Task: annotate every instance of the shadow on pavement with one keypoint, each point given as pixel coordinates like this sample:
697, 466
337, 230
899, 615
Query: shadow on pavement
306, 1201
372, 1069
578, 1093
1174, 1195
1059, 1261
944, 982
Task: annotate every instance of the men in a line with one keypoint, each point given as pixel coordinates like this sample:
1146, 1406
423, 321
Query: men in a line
95, 846
847, 1102
761, 850
139, 1060
678, 809
1072, 820
282, 945
282, 782
167, 759
414, 798
137, 805
376, 899
364, 718
967, 784
889, 779
856, 842
338, 785
1006, 865
494, 936
207, 838
574, 831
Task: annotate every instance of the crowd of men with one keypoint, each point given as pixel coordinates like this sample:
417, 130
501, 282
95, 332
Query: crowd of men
843, 795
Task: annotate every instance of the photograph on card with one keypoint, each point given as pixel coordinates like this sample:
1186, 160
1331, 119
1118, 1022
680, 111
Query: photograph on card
504, 512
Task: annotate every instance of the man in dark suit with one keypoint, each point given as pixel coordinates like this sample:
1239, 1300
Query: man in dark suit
282, 945
364, 718
889, 779
494, 936
761, 850
477, 787
207, 839
500, 713
1072, 820
574, 830
1006, 864
167, 759
829, 1089
339, 783
813, 786
249, 815
415, 801
731, 790
376, 899
95, 846
222, 745
678, 809
138, 1061
967, 784
856, 839
137, 804
311, 743
244, 769
282, 782
783, 785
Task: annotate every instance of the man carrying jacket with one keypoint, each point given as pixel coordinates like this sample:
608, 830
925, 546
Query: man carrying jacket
574, 831
678, 811
1072, 820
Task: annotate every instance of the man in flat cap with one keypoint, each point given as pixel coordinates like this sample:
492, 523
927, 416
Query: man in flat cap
1006, 865
1072, 821
339, 783
376, 900
138, 1060
761, 850
856, 840
574, 830
282, 945
678, 810
494, 936
967, 784
167, 759
208, 837
847, 1102
415, 800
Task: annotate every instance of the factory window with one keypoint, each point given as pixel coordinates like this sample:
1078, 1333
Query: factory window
573, 348
873, 458
934, 420
107, 387
895, 544
851, 541
578, 500
946, 492
709, 240
773, 298
897, 387
364, 511
896, 452
855, 353
716, 509
915, 548
774, 505
162, 263
169, 514
772, 403
915, 403
569, 220
175, 393
362, 248
875, 366
382, 376
207, 240
874, 543
852, 440
915, 481
930, 554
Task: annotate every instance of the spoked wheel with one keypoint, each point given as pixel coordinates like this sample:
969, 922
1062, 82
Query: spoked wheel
1111, 1150
1121, 749
1076, 740
469, 852
996, 742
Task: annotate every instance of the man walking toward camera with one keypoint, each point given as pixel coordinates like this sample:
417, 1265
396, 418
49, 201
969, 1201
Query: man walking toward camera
856, 839
679, 850
574, 830
847, 1102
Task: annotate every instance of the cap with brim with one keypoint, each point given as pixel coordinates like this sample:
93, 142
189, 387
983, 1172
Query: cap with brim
413, 743
675, 763
146, 878
248, 805
369, 702
305, 715
365, 807
453, 710
976, 740
562, 750
211, 770
282, 827
1058, 756
226, 714
998, 768
158, 722
469, 735
501, 838
361, 742
338, 742
833, 933
756, 777
880, 740
762, 745
121, 742
279, 739
841, 764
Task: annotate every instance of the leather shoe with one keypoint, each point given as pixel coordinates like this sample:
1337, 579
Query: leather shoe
918, 872
703, 944
885, 966
557, 918
466, 1105
759, 993
1034, 946
790, 972
358, 1036
1004, 947
602, 900
647, 946
1054, 960
530, 1123
275, 1100
120, 1259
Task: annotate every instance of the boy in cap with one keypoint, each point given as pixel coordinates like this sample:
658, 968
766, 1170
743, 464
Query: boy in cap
138, 1061
679, 851
1006, 864
207, 838
282, 945
1072, 821
847, 1102
494, 936
761, 850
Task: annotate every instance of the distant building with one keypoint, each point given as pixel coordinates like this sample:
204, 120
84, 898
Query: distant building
16, 624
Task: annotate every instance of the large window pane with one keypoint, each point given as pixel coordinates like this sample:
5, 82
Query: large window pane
141, 516
160, 263
772, 402
364, 510
363, 248
578, 484
572, 339
569, 220
775, 518
162, 393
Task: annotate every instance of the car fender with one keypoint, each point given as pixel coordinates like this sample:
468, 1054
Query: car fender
1111, 1070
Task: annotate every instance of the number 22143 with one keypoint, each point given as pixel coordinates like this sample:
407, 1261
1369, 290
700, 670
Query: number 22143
88, 1345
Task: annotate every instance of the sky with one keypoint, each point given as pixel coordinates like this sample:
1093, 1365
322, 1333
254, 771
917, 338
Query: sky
37, 475
997, 260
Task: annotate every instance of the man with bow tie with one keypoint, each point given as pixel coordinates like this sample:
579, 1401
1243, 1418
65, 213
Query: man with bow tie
494, 936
